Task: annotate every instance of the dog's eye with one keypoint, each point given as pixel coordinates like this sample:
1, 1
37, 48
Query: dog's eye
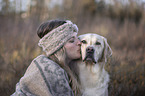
84, 42
98, 43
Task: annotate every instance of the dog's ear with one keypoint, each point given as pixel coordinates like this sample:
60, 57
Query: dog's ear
107, 50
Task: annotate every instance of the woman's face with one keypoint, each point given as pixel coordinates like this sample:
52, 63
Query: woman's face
72, 47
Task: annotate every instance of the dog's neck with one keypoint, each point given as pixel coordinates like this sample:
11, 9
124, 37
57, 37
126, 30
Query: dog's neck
93, 76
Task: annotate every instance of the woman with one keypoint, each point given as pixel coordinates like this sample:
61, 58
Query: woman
50, 75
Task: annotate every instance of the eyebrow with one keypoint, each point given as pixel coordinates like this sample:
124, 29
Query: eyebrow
72, 37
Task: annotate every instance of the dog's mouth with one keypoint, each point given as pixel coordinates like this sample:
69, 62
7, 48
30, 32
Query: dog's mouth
89, 58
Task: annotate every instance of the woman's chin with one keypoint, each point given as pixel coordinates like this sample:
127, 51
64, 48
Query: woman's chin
79, 56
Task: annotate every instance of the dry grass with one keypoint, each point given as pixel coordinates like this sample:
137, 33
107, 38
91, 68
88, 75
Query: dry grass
18, 46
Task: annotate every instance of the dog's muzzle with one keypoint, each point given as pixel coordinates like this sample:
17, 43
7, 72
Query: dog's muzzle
90, 55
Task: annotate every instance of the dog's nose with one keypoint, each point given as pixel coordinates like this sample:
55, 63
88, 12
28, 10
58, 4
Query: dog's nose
90, 49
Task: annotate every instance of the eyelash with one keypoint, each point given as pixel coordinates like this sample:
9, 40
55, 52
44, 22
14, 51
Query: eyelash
71, 41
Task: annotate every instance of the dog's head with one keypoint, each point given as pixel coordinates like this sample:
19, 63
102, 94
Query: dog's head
94, 48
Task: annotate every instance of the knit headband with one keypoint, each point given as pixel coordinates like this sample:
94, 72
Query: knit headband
56, 38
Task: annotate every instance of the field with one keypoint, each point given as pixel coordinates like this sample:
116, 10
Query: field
124, 28
126, 67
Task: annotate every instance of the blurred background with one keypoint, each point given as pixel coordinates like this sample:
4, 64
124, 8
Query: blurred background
122, 22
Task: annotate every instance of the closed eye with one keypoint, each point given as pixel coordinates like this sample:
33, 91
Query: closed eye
71, 40
84, 41
98, 43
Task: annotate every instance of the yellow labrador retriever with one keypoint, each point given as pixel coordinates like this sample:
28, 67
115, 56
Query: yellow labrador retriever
92, 75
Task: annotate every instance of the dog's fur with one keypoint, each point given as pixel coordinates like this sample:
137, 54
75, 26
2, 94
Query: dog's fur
92, 75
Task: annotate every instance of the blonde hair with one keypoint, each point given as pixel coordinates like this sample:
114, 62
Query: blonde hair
60, 57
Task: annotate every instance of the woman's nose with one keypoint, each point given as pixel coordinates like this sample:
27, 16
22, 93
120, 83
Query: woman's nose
79, 42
